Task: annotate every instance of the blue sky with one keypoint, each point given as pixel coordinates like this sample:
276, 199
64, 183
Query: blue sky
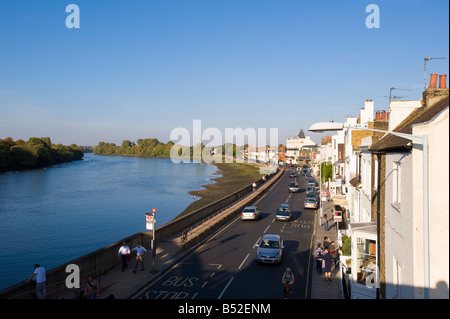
138, 69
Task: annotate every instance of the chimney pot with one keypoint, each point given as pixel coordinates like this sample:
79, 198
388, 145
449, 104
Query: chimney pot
377, 116
442, 81
433, 80
383, 115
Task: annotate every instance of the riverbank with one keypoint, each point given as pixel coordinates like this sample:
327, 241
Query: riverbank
234, 176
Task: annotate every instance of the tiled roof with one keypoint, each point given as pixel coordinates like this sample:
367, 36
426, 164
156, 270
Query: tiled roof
420, 115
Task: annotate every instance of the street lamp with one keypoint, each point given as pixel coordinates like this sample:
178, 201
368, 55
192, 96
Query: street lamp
422, 139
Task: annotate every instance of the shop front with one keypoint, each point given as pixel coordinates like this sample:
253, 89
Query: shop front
364, 278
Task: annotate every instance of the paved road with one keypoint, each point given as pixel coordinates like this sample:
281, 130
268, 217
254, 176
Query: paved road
224, 267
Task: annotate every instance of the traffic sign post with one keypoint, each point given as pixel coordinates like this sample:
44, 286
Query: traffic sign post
150, 222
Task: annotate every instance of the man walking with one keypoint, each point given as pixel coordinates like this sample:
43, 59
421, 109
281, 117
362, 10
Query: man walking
327, 260
124, 253
140, 250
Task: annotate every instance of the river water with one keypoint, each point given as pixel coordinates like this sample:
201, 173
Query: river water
54, 215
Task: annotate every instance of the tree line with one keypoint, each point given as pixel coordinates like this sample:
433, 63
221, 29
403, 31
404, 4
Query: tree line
151, 147
35, 153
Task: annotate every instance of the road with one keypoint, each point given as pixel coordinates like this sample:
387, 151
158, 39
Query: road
224, 267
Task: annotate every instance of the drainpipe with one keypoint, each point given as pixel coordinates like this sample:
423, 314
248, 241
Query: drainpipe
378, 221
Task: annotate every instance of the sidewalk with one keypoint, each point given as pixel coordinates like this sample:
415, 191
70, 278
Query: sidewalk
321, 289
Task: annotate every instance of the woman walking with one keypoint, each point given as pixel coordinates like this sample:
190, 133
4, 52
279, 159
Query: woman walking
325, 222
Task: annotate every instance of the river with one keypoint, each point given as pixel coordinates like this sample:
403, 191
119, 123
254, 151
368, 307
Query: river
54, 215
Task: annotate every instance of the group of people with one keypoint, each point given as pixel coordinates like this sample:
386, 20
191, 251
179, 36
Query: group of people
39, 276
92, 289
124, 253
326, 254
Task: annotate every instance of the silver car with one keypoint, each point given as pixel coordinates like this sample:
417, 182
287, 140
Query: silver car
251, 213
293, 187
270, 249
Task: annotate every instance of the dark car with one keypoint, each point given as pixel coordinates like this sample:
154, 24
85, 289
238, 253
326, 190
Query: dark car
283, 212
292, 174
310, 189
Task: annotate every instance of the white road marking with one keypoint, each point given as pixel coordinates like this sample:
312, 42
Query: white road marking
242, 263
223, 291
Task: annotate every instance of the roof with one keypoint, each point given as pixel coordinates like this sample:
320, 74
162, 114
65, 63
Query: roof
423, 114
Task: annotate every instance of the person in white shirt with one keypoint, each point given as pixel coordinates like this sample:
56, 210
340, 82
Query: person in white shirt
140, 250
39, 273
124, 253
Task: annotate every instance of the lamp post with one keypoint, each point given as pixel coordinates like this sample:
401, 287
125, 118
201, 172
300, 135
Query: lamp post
422, 139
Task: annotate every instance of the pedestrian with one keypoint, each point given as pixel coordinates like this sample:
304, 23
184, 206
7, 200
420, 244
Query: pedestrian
328, 196
334, 253
40, 274
254, 186
318, 254
140, 250
287, 280
124, 253
92, 290
326, 242
325, 222
327, 260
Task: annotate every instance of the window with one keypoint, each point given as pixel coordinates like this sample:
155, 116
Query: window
375, 176
396, 183
366, 262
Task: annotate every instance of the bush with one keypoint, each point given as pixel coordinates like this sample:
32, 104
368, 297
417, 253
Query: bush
346, 249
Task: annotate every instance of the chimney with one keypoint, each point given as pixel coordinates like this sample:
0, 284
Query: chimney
383, 115
442, 81
377, 116
433, 80
387, 115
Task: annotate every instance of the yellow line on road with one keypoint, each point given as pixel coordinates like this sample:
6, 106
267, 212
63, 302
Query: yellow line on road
309, 260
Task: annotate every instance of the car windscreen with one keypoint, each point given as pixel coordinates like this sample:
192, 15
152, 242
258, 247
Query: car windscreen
269, 244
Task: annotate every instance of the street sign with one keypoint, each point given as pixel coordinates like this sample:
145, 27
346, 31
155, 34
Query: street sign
337, 216
149, 221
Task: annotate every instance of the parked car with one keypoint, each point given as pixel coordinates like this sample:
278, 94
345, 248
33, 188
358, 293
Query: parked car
293, 187
308, 176
283, 212
251, 213
310, 189
270, 249
311, 182
304, 171
312, 196
310, 203
292, 174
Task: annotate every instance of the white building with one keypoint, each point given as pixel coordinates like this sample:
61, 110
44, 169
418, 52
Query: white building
297, 146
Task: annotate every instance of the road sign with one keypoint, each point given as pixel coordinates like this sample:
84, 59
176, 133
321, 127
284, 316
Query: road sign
150, 221
154, 210
337, 216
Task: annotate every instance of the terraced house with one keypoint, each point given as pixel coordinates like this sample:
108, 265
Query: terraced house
397, 203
